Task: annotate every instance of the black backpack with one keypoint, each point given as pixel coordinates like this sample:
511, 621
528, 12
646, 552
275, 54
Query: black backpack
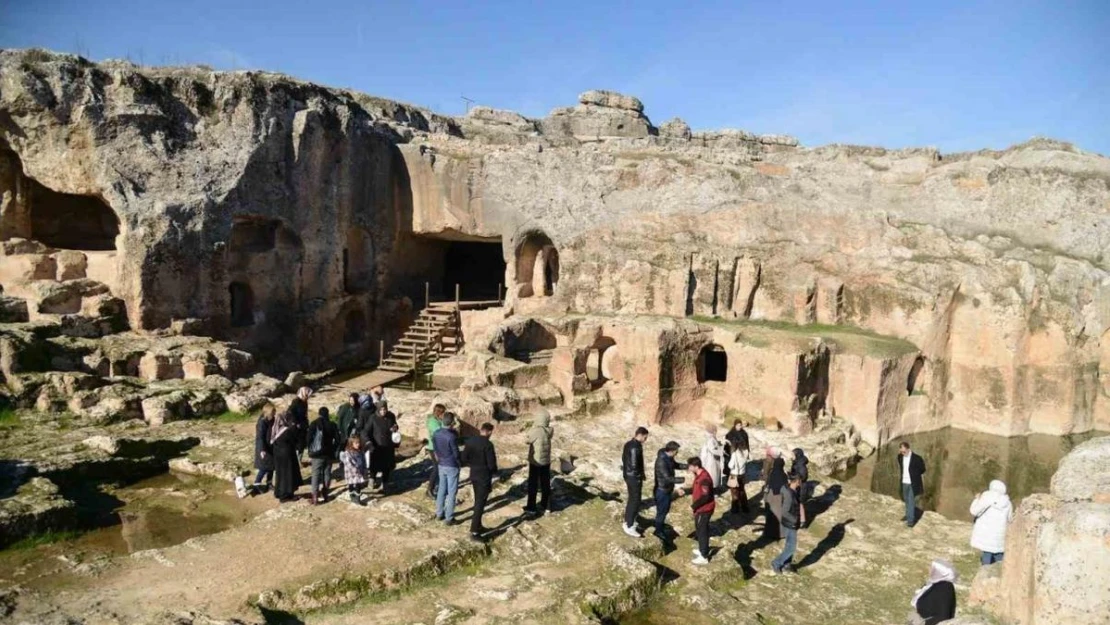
316, 445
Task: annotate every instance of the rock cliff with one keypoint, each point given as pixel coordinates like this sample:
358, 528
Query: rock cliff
300, 221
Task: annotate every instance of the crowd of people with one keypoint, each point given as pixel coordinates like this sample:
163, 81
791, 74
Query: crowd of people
365, 438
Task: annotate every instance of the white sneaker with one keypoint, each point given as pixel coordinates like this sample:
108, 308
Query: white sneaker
696, 551
631, 531
700, 561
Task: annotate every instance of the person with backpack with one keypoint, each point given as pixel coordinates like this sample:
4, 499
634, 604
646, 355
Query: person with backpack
323, 441
539, 464
446, 445
793, 517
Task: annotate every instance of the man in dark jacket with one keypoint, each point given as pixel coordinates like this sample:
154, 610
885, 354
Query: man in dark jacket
911, 467
323, 441
703, 505
793, 517
480, 456
632, 465
347, 418
665, 487
379, 439
445, 442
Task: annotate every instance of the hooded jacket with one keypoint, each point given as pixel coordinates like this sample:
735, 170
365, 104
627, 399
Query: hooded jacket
801, 465
539, 440
992, 511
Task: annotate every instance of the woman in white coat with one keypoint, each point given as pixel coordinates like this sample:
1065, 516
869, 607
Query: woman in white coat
992, 511
711, 453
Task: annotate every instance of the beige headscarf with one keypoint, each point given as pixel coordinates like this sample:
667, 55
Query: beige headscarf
304, 393
281, 423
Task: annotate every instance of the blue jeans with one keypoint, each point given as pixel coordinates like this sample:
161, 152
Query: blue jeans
990, 558
662, 507
787, 554
911, 504
446, 492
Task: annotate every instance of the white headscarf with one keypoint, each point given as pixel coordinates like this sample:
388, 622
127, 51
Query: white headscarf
304, 393
939, 571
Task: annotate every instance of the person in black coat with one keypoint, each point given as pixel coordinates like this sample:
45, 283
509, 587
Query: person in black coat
323, 444
632, 465
666, 487
935, 602
801, 467
263, 451
481, 457
298, 411
772, 495
379, 439
284, 439
910, 467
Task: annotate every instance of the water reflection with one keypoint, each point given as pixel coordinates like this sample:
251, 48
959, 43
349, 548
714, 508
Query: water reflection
961, 464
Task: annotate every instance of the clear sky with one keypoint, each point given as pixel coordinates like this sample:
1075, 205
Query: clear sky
958, 75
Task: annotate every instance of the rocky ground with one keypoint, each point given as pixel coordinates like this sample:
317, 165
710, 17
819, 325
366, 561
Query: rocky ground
390, 561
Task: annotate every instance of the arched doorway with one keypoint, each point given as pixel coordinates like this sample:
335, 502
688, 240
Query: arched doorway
354, 327
71, 222
912, 383
598, 362
712, 364
537, 265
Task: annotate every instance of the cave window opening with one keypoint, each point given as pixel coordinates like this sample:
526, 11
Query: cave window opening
346, 271
536, 253
242, 305
598, 362
477, 267
70, 221
712, 364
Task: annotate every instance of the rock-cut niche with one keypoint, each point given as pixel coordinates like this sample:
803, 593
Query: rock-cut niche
537, 266
712, 364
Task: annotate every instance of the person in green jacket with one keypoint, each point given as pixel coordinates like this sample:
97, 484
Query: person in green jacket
346, 417
435, 422
539, 464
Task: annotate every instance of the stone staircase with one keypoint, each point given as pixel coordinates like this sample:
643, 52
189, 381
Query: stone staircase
435, 333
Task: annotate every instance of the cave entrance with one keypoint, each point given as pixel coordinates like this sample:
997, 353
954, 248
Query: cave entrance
354, 327
477, 267
712, 364
242, 305
537, 266
71, 222
599, 362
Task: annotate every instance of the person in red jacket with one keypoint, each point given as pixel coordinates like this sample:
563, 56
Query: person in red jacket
703, 504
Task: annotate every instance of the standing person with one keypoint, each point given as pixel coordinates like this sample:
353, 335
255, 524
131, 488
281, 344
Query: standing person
284, 439
365, 418
383, 447
793, 517
323, 441
377, 395
776, 482
480, 456
539, 464
993, 512
703, 505
632, 465
354, 468
666, 487
935, 602
710, 455
263, 451
737, 467
911, 467
446, 445
433, 423
298, 410
737, 441
801, 467
346, 417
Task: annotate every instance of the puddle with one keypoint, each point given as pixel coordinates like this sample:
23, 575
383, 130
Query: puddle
961, 464
157, 512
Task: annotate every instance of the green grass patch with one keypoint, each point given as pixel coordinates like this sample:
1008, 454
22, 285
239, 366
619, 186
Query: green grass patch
9, 418
231, 416
846, 338
43, 538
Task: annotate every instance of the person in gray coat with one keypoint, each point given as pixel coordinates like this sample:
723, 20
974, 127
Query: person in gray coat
539, 464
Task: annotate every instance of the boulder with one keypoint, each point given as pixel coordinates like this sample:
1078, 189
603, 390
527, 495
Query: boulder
13, 309
611, 99
36, 507
676, 128
71, 265
162, 409
295, 380
154, 366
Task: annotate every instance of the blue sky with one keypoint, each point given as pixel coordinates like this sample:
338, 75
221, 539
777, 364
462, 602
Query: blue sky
956, 75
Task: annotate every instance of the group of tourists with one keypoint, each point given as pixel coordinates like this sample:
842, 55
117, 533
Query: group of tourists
365, 438
364, 442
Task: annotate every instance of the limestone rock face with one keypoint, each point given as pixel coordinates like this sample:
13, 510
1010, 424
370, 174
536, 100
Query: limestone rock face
1057, 548
304, 223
